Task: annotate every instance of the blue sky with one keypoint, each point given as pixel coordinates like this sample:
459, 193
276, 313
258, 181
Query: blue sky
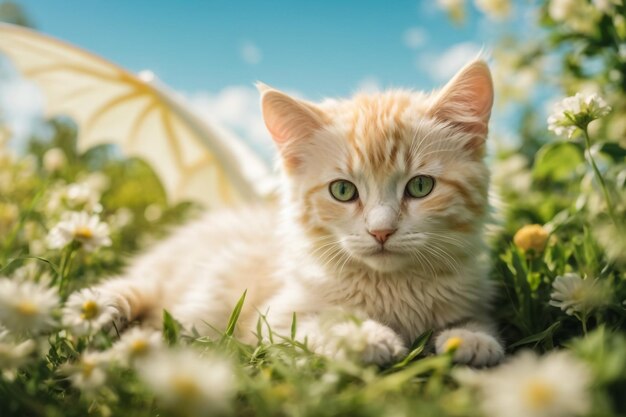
320, 48
213, 51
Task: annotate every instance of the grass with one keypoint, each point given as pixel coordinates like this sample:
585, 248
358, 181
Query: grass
284, 378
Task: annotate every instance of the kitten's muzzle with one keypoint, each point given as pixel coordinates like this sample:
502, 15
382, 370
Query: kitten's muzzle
382, 235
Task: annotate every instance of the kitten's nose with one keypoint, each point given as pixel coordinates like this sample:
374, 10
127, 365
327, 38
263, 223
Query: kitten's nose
382, 235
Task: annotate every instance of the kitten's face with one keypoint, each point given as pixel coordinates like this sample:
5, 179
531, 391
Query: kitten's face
390, 181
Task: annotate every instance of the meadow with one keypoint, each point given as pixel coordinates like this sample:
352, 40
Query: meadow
558, 246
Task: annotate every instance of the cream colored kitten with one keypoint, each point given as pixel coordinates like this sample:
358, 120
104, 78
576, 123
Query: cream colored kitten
382, 210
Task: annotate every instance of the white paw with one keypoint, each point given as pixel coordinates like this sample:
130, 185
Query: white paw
369, 341
383, 344
119, 314
472, 347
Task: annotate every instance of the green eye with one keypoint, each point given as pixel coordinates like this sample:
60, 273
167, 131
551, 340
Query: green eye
343, 191
420, 186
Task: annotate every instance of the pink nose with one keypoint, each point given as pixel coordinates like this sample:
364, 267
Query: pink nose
382, 235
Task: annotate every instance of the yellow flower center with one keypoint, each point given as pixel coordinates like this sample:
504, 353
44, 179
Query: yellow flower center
84, 233
139, 346
185, 387
539, 394
87, 368
89, 310
27, 308
452, 344
578, 294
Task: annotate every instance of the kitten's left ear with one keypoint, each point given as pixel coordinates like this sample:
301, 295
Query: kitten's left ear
290, 121
467, 99
286, 118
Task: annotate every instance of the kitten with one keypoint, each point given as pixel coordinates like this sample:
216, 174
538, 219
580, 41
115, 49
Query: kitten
383, 202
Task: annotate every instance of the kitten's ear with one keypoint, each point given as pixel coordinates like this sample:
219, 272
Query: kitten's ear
287, 119
467, 99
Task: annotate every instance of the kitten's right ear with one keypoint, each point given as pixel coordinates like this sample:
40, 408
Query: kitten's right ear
287, 119
467, 99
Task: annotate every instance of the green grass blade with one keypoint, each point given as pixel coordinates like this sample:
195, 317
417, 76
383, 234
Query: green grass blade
293, 326
537, 337
171, 329
234, 316
417, 348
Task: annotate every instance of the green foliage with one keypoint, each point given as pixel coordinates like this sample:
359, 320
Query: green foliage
171, 329
557, 162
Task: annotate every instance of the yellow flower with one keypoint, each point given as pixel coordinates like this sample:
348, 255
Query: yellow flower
532, 236
452, 344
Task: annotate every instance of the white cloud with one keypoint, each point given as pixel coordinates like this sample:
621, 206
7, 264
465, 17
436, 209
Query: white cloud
444, 65
250, 53
369, 84
236, 108
414, 37
21, 105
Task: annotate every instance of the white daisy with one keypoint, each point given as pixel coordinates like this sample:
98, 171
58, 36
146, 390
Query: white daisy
80, 227
27, 306
14, 354
136, 343
87, 311
184, 379
576, 112
555, 385
573, 294
54, 160
88, 373
76, 196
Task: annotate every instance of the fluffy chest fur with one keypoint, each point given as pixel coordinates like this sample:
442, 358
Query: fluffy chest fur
410, 302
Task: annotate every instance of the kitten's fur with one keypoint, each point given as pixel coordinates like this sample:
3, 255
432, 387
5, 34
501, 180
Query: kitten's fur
314, 254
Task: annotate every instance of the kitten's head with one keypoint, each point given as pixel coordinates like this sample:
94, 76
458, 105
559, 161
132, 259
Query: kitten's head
392, 180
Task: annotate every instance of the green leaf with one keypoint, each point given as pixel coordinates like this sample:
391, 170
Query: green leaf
614, 150
234, 316
537, 337
293, 326
557, 161
417, 348
171, 328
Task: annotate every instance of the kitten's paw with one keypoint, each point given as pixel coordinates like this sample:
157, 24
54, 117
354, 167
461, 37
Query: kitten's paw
383, 345
119, 315
472, 347
368, 341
